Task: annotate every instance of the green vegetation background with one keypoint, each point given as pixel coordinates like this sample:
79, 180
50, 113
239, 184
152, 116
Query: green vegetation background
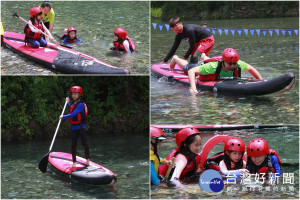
206, 10
31, 105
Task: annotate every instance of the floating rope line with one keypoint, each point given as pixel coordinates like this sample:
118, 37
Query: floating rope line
284, 32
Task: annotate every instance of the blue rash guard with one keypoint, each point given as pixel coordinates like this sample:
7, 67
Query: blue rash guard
275, 164
66, 41
78, 109
154, 178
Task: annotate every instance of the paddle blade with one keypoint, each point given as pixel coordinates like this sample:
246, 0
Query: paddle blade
44, 162
15, 15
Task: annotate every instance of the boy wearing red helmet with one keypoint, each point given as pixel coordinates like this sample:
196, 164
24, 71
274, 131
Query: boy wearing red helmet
77, 119
122, 41
261, 159
188, 141
157, 136
227, 65
70, 37
33, 30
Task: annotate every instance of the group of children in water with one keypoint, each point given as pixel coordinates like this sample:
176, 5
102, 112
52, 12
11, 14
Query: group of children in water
35, 28
186, 166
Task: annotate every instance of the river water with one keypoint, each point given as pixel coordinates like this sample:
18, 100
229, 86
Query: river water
95, 22
171, 103
284, 140
126, 156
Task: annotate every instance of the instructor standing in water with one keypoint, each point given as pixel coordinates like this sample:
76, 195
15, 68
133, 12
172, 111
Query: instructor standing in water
48, 15
201, 40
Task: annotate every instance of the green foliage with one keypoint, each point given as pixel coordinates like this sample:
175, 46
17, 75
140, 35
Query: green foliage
156, 12
196, 10
41, 99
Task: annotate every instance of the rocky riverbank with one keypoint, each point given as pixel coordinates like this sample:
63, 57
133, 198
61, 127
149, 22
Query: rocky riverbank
15, 64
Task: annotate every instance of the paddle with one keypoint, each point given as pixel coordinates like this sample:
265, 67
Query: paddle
44, 161
56, 35
16, 15
169, 169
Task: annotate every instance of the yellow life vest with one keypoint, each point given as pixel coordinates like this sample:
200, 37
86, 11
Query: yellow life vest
155, 160
2, 31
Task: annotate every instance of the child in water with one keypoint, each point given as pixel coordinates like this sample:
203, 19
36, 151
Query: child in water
122, 41
233, 162
77, 119
188, 141
157, 136
70, 37
261, 159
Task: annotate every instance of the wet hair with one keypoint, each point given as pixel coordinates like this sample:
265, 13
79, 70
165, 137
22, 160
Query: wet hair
46, 4
173, 21
227, 161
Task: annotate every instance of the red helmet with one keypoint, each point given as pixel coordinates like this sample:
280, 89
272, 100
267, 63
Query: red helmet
157, 133
35, 10
230, 55
76, 89
121, 33
235, 144
257, 147
71, 29
184, 133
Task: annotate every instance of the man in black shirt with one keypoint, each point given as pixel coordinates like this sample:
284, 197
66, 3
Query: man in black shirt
201, 40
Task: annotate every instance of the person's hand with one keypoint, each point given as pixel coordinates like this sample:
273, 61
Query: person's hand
192, 91
176, 183
67, 99
169, 163
244, 171
60, 117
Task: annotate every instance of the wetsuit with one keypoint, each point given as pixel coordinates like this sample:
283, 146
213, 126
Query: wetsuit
78, 130
194, 34
68, 41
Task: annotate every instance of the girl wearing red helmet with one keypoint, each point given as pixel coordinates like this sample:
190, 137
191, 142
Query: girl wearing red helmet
157, 136
233, 162
227, 65
70, 37
188, 141
33, 30
77, 119
122, 41
261, 159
